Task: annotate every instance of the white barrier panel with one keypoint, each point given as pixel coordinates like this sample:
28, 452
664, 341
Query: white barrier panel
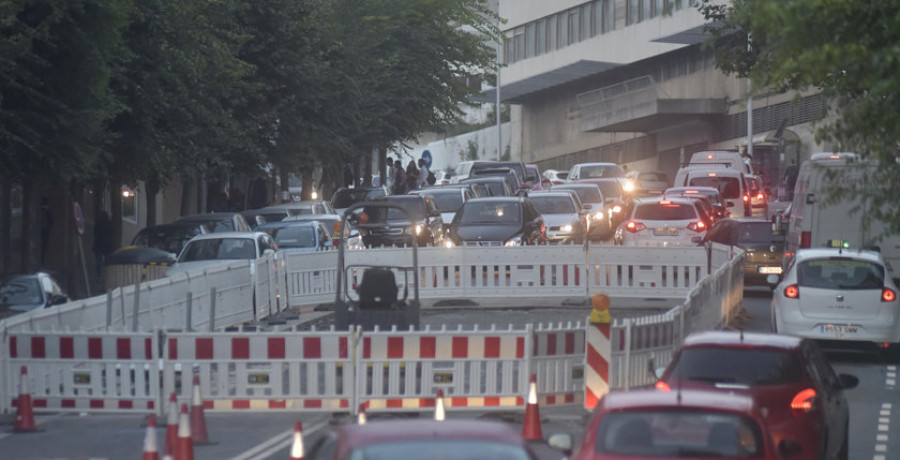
86, 372
640, 345
311, 277
558, 361
263, 371
646, 272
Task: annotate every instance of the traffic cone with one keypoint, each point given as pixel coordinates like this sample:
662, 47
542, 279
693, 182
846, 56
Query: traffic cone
150, 452
184, 446
361, 417
198, 416
531, 428
297, 446
24, 409
439, 414
171, 426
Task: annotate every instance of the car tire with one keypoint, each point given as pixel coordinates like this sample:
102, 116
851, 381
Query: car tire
845, 449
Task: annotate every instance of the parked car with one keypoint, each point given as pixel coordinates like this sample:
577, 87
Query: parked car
27, 292
382, 226
448, 200
563, 213
687, 424
168, 237
600, 222
417, 438
648, 182
217, 222
344, 197
656, 221
712, 193
595, 170
838, 294
787, 375
299, 236
763, 248
498, 221
216, 248
497, 186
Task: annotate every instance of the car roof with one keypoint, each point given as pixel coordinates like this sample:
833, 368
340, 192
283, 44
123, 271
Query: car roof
597, 163
309, 217
738, 338
550, 193
569, 185
746, 220
205, 217
817, 253
657, 199
497, 199
416, 429
223, 235
688, 398
289, 223
698, 189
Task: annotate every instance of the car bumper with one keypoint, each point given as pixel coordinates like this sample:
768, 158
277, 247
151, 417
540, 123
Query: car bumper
755, 274
870, 330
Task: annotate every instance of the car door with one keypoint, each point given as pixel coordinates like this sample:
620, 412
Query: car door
835, 410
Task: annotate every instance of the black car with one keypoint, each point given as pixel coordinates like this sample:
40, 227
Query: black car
715, 198
517, 166
168, 237
344, 197
497, 186
27, 292
763, 247
498, 221
383, 226
507, 173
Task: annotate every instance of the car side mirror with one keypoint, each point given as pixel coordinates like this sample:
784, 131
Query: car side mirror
268, 252
57, 299
561, 442
848, 381
789, 448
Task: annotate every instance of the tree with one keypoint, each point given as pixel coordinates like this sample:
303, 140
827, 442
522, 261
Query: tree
846, 49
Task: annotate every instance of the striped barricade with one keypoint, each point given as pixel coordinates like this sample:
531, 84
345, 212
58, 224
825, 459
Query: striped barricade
87, 372
481, 369
262, 371
558, 362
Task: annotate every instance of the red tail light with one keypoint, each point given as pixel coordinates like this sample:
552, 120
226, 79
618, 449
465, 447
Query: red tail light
662, 386
792, 292
698, 226
635, 227
888, 295
804, 400
805, 239
746, 198
760, 196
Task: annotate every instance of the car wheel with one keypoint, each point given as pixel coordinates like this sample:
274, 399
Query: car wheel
843, 453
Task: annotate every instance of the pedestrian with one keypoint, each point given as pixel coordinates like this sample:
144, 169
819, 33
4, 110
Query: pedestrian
790, 179
46, 226
103, 241
423, 173
398, 182
412, 176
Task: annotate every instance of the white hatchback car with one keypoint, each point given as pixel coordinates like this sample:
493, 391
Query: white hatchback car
837, 294
663, 221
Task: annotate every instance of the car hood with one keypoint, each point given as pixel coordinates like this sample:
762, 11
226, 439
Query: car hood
22, 307
182, 267
554, 220
486, 232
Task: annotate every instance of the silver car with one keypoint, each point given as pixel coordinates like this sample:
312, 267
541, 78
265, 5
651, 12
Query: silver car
563, 214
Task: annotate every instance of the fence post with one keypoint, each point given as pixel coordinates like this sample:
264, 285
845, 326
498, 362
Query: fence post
189, 304
212, 309
627, 363
109, 306
137, 306
529, 357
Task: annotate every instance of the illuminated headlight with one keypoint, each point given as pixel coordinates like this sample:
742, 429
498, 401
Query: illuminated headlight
566, 228
628, 186
418, 229
517, 241
597, 215
449, 244
315, 195
617, 209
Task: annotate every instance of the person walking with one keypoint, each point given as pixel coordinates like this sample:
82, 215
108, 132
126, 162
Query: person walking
398, 183
103, 242
423, 173
412, 176
790, 179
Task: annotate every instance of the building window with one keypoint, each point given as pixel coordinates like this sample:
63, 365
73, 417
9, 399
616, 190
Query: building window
587, 27
608, 8
541, 36
551, 35
129, 204
519, 44
562, 30
530, 40
632, 12
574, 26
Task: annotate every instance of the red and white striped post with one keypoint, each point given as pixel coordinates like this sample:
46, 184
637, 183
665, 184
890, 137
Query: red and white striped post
599, 351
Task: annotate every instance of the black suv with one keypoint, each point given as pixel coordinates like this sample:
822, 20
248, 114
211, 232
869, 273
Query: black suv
380, 226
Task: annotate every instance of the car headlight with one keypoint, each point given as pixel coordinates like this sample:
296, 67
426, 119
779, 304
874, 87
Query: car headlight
566, 228
628, 186
517, 241
449, 244
597, 215
418, 229
616, 209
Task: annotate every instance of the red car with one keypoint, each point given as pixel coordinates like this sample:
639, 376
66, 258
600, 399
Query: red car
789, 377
685, 424
425, 439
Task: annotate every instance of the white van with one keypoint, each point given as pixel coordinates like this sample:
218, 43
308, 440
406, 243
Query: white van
730, 182
730, 158
818, 220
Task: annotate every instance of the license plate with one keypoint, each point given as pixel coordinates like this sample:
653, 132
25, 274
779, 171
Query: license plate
839, 330
665, 231
770, 270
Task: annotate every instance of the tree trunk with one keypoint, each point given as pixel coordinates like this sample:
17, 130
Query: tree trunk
367, 169
152, 191
32, 240
187, 197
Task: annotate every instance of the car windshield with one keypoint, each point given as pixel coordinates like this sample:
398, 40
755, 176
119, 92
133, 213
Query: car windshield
729, 187
553, 204
679, 434
737, 365
458, 449
490, 213
294, 236
586, 194
415, 208
218, 248
590, 171
495, 186
347, 197
665, 211
609, 189
21, 291
449, 202
757, 232
840, 273
170, 239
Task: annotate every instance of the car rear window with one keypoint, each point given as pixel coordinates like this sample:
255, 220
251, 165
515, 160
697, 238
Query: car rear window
490, 213
737, 365
665, 211
840, 273
449, 202
586, 194
729, 187
601, 171
415, 208
295, 236
553, 204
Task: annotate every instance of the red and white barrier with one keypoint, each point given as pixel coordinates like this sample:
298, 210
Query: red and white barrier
558, 362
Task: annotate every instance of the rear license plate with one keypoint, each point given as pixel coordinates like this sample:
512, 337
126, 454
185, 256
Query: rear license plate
770, 270
665, 231
838, 330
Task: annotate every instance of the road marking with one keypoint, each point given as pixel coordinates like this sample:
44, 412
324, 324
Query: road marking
277, 442
884, 423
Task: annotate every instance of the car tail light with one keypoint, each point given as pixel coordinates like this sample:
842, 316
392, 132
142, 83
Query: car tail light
888, 295
804, 400
662, 386
760, 196
635, 227
746, 198
792, 292
698, 226
805, 239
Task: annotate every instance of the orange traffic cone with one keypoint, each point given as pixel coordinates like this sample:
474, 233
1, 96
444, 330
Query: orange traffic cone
171, 426
361, 417
439, 414
184, 446
150, 452
531, 428
297, 446
198, 416
24, 409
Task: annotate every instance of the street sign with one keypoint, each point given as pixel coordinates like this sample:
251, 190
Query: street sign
79, 218
426, 155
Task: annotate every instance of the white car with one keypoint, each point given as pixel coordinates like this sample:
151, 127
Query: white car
663, 221
216, 248
837, 294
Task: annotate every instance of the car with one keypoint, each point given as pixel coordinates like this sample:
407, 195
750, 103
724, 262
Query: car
648, 182
556, 177
477, 189
344, 197
787, 375
681, 423
299, 236
507, 173
224, 247
448, 200
595, 170
382, 226
497, 186
294, 208
517, 166
600, 222
498, 221
763, 247
663, 221
616, 200
351, 235
534, 178
168, 237
712, 193
838, 294
730, 182
758, 198
729, 158
461, 171
218, 221
416, 438
442, 177
563, 213
27, 292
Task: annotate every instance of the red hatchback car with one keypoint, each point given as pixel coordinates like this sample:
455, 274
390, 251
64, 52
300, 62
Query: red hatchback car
789, 377
421, 439
685, 424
